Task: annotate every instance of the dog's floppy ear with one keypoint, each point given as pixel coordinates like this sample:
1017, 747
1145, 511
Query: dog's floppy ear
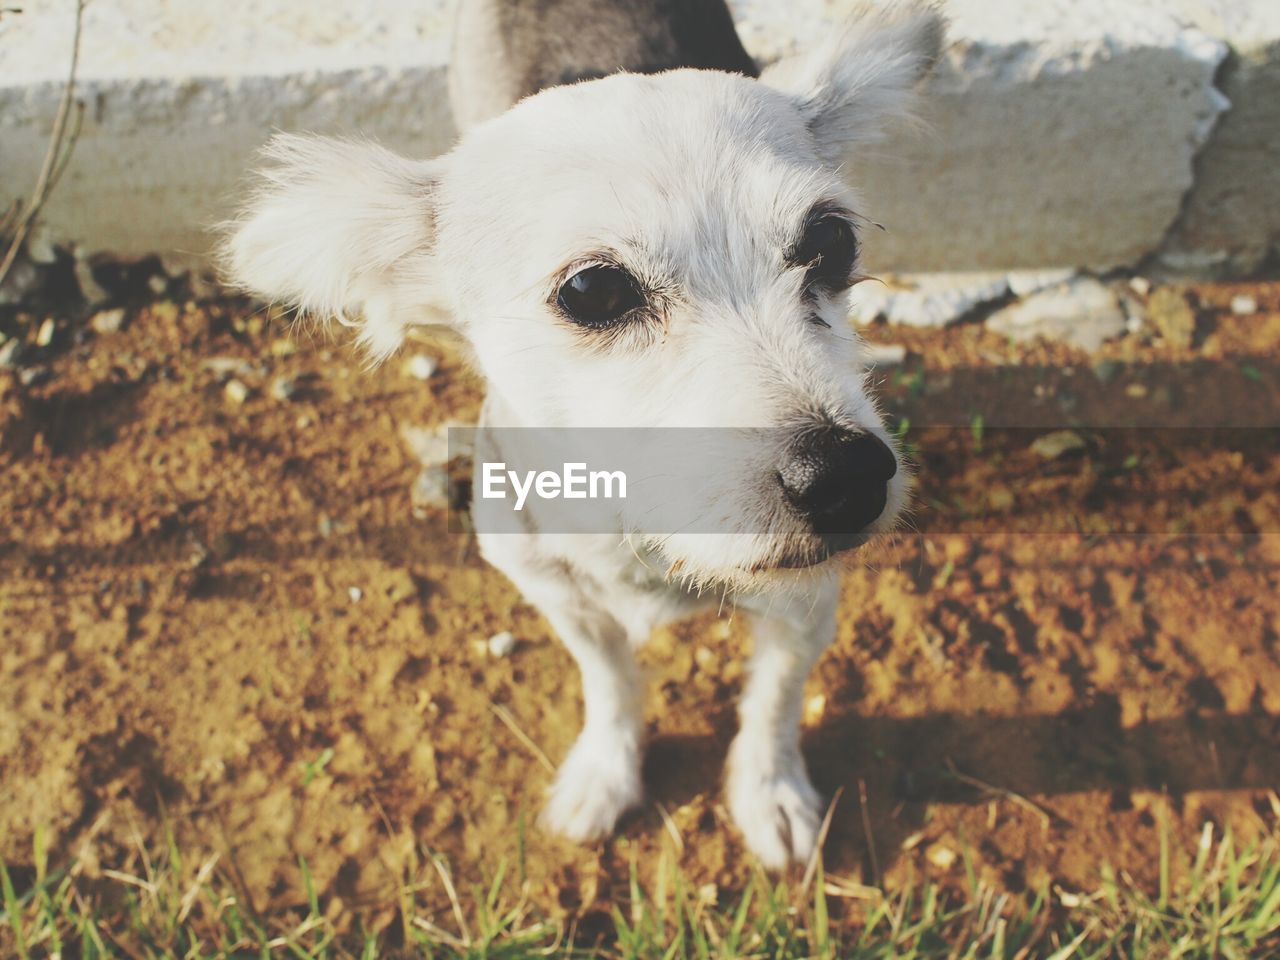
341, 229
863, 76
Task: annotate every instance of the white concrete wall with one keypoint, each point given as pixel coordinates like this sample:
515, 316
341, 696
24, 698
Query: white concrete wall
1064, 132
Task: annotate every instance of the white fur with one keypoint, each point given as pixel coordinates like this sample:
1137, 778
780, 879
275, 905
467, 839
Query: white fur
341, 228
863, 76
699, 182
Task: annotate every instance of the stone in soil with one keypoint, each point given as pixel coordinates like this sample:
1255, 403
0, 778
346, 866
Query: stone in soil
501, 644
1243, 305
236, 391
432, 446
24, 279
224, 368
1082, 313
420, 367
927, 300
431, 488
92, 291
284, 388
108, 321
34, 376
1172, 316
1053, 445
11, 353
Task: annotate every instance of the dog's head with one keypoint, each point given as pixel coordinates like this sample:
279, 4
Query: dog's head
638, 251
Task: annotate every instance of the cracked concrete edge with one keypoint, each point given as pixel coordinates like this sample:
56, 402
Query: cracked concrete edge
1229, 224
1082, 134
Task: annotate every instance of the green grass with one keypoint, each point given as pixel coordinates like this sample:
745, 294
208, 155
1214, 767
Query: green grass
1228, 906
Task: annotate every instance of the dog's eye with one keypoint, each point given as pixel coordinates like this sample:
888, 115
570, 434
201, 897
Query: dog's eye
829, 249
599, 296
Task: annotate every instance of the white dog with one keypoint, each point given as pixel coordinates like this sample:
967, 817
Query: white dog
656, 248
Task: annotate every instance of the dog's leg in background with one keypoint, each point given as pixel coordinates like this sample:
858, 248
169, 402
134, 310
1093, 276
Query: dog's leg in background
504, 50
769, 792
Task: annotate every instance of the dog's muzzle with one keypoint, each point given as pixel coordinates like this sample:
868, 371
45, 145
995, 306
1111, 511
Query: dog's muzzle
837, 481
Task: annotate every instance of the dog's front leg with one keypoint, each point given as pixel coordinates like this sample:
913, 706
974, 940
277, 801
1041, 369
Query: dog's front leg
600, 778
769, 792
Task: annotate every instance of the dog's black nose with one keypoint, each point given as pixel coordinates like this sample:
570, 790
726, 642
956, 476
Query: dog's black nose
838, 480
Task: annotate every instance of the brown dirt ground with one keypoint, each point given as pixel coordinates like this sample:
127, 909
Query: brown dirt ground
178, 638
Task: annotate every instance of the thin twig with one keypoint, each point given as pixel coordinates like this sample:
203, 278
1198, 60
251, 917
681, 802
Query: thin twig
54, 158
454, 902
811, 868
1048, 816
503, 714
866, 829
672, 829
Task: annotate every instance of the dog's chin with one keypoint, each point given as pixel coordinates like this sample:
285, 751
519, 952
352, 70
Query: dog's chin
797, 559
816, 551
750, 563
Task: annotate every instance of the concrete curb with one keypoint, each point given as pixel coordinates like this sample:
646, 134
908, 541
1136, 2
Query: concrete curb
1084, 134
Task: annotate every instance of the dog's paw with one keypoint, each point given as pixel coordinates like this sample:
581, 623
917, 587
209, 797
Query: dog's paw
778, 811
596, 784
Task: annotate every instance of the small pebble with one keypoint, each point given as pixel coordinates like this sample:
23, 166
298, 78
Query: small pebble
355, 593
236, 391
431, 488
284, 388
283, 348
157, 284
944, 858
303, 422
47, 330
429, 445
224, 367
420, 366
325, 525
108, 321
1140, 285
90, 289
911, 842
1055, 444
501, 644
39, 246
814, 709
11, 353
1173, 316
1243, 305
33, 376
